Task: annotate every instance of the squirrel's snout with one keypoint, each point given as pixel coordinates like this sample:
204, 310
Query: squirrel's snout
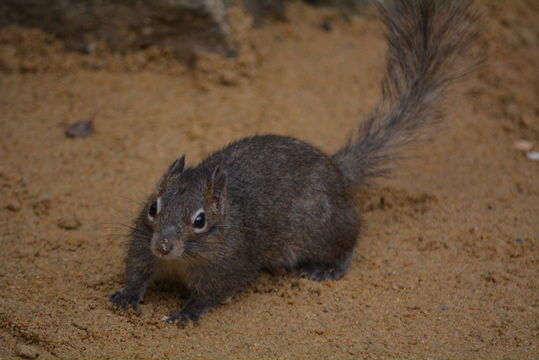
164, 247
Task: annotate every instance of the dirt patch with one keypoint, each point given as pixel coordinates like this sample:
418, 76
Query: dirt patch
447, 267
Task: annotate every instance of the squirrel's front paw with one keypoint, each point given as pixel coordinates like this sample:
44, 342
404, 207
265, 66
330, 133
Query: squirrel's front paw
182, 317
124, 300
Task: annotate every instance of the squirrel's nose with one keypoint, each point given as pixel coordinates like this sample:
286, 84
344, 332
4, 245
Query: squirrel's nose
165, 247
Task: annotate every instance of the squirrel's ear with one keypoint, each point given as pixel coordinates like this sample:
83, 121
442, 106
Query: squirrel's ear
175, 169
216, 190
177, 166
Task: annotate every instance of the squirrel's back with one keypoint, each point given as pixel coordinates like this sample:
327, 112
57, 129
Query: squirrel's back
280, 190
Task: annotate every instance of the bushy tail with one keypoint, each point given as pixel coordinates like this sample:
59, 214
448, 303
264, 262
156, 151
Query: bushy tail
426, 39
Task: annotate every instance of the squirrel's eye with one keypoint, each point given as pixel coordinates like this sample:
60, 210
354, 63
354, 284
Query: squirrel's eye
199, 221
154, 209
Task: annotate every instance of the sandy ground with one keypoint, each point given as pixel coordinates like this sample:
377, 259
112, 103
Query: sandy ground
447, 268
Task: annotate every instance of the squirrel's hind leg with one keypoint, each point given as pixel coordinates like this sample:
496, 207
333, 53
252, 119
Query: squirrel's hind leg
326, 271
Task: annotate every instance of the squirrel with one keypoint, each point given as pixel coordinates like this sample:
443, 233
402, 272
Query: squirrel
270, 202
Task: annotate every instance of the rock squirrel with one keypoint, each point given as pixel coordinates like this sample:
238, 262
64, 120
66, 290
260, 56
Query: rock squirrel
273, 202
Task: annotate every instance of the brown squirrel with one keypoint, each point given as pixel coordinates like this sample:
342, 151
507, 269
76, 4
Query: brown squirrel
272, 202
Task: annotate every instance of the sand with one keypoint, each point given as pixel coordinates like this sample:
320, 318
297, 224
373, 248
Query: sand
447, 266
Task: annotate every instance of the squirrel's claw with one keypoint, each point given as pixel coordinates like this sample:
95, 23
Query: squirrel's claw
125, 301
182, 318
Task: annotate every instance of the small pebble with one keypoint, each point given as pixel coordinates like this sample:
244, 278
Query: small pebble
91, 47
510, 19
326, 25
519, 240
195, 131
533, 155
42, 205
444, 307
522, 145
69, 223
26, 351
229, 78
79, 325
529, 37
80, 129
512, 110
13, 205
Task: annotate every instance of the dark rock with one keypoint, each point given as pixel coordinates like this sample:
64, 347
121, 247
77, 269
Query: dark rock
69, 223
266, 9
326, 25
80, 129
13, 205
176, 25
